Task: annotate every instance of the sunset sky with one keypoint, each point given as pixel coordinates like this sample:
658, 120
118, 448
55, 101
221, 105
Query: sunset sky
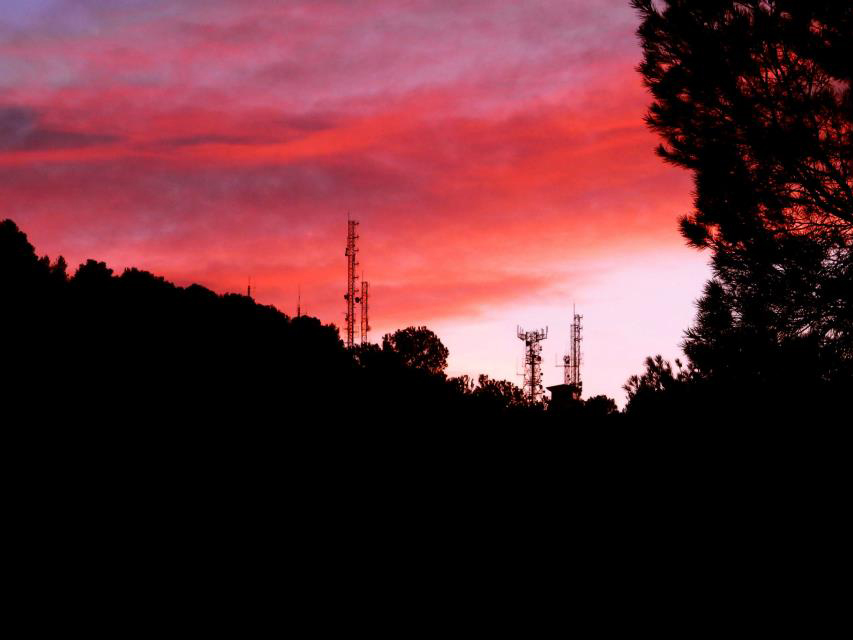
493, 151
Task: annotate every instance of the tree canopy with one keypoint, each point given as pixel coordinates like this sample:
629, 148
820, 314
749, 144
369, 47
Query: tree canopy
754, 98
419, 348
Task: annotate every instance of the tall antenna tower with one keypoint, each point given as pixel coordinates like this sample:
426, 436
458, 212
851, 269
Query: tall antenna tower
351, 295
365, 323
533, 361
572, 360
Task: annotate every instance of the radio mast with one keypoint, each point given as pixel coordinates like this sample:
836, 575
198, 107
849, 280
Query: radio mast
533, 361
365, 323
351, 295
572, 360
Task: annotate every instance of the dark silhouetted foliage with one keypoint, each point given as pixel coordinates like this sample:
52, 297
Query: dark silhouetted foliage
600, 407
489, 397
134, 348
418, 347
755, 99
567, 406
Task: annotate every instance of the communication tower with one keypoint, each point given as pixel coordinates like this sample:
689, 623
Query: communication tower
351, 296
365, 323
572, 360
533, 361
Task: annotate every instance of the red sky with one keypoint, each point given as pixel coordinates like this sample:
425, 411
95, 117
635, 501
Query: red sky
494, 153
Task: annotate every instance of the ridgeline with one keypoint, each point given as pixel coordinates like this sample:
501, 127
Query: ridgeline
133, 347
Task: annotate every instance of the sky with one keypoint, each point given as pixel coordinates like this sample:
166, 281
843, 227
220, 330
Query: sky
493, 152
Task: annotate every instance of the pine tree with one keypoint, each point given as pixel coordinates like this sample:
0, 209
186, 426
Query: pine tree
754, 98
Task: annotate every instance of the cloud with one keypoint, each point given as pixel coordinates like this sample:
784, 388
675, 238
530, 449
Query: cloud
511, 193
20, 130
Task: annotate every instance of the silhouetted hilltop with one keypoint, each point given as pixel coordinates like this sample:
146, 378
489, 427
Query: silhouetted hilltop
133, 347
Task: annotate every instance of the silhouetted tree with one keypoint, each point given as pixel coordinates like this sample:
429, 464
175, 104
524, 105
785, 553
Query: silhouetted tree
658, 388
600, 406
500, 393
754, 97
658, 376
419, 348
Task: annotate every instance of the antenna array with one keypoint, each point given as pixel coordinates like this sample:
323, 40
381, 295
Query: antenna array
351, 295
533, 361
354, 295
572, 360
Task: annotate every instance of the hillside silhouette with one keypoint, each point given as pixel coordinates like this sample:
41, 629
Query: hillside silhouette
754, 99
112, 348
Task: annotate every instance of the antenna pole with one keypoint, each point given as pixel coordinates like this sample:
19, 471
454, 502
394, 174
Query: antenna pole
351, 295
365, 323
576, 355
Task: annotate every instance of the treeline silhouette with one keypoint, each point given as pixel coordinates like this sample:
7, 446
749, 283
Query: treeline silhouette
754, 98
134, 347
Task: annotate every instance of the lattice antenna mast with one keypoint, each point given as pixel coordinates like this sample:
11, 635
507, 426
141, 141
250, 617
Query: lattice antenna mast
351, 295
365, 323
567, 368
533, 362
576, 356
